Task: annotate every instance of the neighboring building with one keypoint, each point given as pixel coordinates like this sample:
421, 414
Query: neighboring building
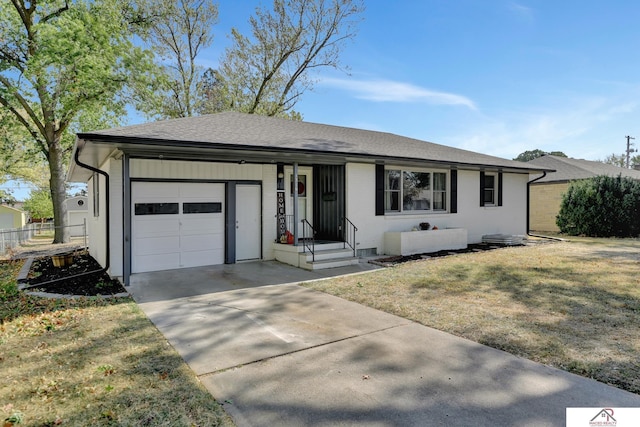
219, 189
11, 217
546, 193
77, 210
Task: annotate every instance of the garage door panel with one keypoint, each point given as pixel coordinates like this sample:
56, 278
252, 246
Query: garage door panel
157, 226
152, 262
208, 224
162, 242
201, 242
199, 258
157, 245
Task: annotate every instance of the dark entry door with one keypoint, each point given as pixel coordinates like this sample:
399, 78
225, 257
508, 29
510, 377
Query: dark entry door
328, 202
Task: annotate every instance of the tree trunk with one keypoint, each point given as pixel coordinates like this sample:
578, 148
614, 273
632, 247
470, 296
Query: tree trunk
58, 192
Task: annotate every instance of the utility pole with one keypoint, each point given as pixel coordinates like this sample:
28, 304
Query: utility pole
629, 149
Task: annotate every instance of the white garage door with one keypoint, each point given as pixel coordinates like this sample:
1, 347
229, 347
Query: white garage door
176, 225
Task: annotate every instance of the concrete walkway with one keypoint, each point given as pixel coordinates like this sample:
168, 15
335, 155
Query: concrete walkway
275, 353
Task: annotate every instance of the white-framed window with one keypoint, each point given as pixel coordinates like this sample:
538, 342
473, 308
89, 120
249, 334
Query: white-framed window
412, 190
490, 189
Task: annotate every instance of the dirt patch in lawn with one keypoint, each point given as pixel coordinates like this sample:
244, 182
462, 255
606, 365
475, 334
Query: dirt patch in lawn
82, 277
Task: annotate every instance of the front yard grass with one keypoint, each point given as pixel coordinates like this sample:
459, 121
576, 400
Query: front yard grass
93, 362
573, 305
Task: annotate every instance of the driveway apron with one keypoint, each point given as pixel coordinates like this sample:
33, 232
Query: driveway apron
282, 354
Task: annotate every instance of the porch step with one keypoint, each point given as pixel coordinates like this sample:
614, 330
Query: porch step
328, 258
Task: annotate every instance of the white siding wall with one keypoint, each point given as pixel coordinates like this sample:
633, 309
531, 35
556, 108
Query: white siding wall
167, 169
116, 231
267, 174
97, 226
360, 205
509, 218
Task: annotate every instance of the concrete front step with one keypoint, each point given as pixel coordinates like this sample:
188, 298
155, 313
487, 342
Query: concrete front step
329, 263
327, 255
327, 258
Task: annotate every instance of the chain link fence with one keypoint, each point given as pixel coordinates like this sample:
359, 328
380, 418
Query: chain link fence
11, 238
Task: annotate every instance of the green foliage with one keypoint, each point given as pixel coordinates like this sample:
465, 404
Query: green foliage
61, 63
534, 154
267, 72
6, 198
620, 160
39, 204
602, 206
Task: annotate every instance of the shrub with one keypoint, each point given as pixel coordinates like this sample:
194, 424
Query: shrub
602, 206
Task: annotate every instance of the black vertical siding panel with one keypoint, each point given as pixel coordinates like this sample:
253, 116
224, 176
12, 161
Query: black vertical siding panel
500, 189
453, 208
379, 190
481, 188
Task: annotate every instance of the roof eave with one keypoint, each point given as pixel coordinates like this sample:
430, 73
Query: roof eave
148, 147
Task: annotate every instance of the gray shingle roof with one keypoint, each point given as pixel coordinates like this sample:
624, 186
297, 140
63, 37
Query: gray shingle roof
250, 132
568, 169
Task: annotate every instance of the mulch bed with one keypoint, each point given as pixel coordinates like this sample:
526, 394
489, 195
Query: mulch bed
399, 259
83, 277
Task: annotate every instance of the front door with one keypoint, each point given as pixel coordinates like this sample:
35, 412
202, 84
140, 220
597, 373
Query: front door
328, 201
248, 214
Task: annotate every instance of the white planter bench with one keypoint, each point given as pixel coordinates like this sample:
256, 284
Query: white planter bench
417, 242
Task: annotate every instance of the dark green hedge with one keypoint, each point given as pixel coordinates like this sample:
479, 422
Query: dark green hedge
602, 206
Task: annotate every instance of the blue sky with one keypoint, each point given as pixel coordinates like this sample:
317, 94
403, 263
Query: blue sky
494, 76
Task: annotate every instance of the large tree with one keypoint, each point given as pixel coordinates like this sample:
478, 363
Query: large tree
267, 72
62, 61
534, 154
178, 33
620, 160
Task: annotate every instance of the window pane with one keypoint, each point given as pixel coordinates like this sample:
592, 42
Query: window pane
488, 181
195, 208
391, 201
489, 189
392, 190
156, 208
392, 180
416, 191
488, 196
439, 200
439, 181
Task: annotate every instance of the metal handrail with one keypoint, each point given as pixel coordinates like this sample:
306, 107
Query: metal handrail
350, 232
312, 239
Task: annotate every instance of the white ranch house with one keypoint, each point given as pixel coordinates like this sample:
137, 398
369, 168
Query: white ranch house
219, 189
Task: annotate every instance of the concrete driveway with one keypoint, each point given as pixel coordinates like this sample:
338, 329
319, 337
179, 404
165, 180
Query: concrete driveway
275, 353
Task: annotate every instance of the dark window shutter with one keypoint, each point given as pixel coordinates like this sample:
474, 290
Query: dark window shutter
379, 190
500, 189
454, 192
481, 188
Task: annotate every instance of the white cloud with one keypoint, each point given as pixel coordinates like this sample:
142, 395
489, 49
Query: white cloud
391, 91
521, 10
586, 128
